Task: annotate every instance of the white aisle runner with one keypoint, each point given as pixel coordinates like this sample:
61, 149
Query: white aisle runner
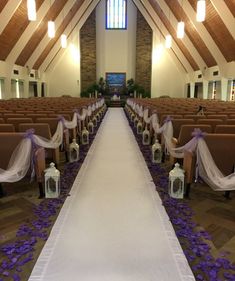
112, 227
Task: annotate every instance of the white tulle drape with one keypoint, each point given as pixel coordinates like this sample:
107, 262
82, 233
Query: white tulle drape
19, 163
209, 172
206, 167
22, 156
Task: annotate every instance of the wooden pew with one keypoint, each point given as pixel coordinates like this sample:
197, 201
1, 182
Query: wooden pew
222, 149
8, 143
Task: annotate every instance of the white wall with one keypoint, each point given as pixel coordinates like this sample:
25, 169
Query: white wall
116, 48
63, 75
7, 75
167, 77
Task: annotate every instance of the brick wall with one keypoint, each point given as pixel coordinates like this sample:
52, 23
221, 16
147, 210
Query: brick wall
143, 53
88, 52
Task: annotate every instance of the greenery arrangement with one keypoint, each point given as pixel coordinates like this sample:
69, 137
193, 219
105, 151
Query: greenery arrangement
102, 88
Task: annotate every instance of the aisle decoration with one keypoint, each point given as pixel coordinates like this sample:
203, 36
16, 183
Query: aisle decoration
52, 182
207, 168
73, 151
20, 252
176, 182
20, 160
156, 152
193, 241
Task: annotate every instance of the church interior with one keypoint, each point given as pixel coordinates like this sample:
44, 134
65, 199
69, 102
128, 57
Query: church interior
117, 133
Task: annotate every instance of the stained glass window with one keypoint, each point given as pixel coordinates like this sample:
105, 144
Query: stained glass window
116, 14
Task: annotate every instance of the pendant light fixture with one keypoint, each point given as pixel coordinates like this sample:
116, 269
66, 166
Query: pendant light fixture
31, 8
201, 10
51, 29
63, 37
168, 42
180, 30
180, 27
63, 41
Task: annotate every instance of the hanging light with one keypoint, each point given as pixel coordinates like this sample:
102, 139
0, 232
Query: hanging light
168, 42
201, 10
51, 29
31, 7
63, 41
180, 30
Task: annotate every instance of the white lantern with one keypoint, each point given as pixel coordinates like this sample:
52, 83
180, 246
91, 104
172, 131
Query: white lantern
94, 120
156, 152
139, 128
73, 151
90, 127
52, 182
136, 120
146, 137
176, 182
85, 136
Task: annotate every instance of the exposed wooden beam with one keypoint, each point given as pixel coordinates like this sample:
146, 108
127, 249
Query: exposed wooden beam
59, 31
231, 5
40, 32
14, 29
192, 33
171, 30
218, 30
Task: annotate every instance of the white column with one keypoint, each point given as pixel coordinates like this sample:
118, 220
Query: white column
26, 88
39, 89
205, 84
224, 89
7, 88
192, 89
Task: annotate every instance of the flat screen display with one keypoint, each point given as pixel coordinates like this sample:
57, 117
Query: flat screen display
116, 79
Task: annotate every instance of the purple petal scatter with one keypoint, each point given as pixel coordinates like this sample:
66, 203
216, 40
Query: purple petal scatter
19, 252
193, 241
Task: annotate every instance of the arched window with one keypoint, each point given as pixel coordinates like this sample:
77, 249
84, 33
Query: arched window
116, 17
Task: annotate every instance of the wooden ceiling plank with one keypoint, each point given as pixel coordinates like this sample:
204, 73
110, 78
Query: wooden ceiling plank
14, 29
218, 31
2, 4
59, 31
40, 32
7, 13
231, 6
204, 34
192, 33
171, 30
152, 18
76, 24
225, 14
29, 31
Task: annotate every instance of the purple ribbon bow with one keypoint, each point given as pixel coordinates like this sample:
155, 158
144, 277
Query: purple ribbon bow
61, 118
197, 133
168, 119
29, 134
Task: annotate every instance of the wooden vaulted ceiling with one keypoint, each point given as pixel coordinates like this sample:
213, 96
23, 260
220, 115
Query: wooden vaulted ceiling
218, 30
215, 27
